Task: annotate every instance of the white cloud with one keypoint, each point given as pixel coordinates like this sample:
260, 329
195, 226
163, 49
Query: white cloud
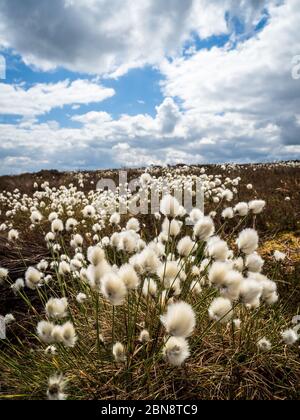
41, 98
243, 93
104, 36
168, 115
139, 140
92, 118
251, 78
221, 104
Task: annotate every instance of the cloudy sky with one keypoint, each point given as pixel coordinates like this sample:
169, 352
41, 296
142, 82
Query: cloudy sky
110, 83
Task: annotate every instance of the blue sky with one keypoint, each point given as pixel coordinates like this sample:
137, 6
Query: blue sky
170, 83
138, 91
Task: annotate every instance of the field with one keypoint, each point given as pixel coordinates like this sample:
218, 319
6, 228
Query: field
164, 305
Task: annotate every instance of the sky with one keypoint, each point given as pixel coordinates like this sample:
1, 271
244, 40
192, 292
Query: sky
92, 84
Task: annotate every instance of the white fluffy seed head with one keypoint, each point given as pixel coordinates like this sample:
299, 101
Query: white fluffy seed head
17, 285
77, 241
220, 310
133, 224
196, 287
129, 276
89, 212
204, 228
57, 226
13, 235
228, 213
64, 268
231, 285
217, 273
3, 274
250, 292
8, 319
113, 289
42, 265
269, 289
94, 274
128, 241
148, 261
167, 272
71, 224
52, 216
257, 206
68, 334
254, 263
50, 237
238, 264
185, 246
176, 351
119, 353
169, 206
115, 219
57, 308
242, 209
195, 272
36, 217
51, 350
179, 320
44, 331
144, 336
264, 345
247, 241
289, 337
217, 249
56, 388
196, 215
95, 255
33, 277
204, 265
57, 334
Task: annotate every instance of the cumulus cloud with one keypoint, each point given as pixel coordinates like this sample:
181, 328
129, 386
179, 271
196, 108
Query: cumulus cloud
168, 115
233, 103
104, 36
137, 140
249, 87
248, 79
41, 98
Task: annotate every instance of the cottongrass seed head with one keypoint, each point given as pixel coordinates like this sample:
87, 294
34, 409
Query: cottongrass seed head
257, 206
129, 276
220, 310
204, 228
264, 345
57, 308
119, 353
33, 278
169, 206
3, 274
56, 388
176, 350
185, 246
289, 337
179, 320
44, 331
113, 289
247, 241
